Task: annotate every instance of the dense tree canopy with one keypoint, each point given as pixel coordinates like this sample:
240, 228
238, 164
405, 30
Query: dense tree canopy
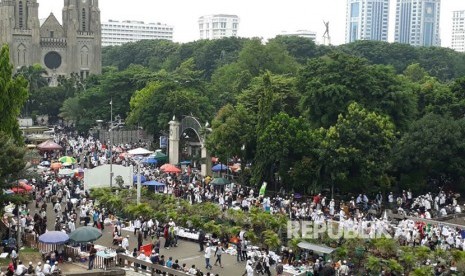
303, 116
13, 95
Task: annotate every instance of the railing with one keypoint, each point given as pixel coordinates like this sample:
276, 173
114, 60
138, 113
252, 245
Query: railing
151, 268
85, 33
22, 32
53, 42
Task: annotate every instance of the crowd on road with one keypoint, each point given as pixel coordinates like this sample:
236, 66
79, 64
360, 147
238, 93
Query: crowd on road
362, 213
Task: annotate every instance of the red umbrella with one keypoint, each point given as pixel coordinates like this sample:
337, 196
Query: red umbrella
171, 169
18, 190
25, 187
49, 145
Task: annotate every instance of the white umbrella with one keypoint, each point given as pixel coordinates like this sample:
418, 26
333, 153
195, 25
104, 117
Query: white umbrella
139, 151
66, 172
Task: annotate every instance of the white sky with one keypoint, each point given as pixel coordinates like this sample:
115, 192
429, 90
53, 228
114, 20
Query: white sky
259, 18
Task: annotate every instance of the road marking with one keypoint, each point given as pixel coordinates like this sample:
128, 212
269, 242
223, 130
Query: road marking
190, 258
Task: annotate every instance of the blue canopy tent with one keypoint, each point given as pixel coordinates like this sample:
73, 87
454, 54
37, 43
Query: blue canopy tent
150, 161
158, 186
142, 179
220, 168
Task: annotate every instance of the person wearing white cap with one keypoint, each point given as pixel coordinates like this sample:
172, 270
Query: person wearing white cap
39, 269
248, 269
47, 268
344, 269
21, 269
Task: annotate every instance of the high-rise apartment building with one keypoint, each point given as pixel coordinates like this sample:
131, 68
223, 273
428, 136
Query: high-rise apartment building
458, 31
417, 22
218, 26
116, 33
367, 20
301, 33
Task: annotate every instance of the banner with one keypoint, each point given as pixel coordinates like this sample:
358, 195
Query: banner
263, 189
163, 142
147, 249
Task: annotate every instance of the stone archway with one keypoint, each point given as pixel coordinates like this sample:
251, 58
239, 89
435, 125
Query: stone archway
176, 130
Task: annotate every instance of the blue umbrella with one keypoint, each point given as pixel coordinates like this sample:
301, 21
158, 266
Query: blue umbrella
219, 167
153, 183
142, 179
185, 162
54, 237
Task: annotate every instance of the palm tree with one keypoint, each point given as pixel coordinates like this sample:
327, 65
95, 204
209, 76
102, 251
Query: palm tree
35, 75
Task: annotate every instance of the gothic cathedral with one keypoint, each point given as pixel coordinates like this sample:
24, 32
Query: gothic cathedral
74, 47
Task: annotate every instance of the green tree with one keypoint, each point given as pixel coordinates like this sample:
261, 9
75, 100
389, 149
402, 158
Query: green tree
231, 129
11, 159
298, 47
35, 75
13, 95
431, 152
356, 150
284, 141
329, 84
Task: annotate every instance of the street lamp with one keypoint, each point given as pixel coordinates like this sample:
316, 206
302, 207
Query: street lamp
111, 143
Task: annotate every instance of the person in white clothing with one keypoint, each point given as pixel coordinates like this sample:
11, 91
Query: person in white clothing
38, 270
208, 254
125, 243
248, 269
47, 268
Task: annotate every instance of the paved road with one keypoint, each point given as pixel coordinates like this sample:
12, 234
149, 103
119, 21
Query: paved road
187, 251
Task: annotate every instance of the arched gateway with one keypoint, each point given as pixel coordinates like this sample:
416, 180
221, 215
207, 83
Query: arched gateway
177, 129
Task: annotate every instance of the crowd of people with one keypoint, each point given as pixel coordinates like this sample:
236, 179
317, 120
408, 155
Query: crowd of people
360, 214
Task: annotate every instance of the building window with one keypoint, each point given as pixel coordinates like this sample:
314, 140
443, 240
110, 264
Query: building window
21, 55
51, 34
85, 57
83, 20
20, 14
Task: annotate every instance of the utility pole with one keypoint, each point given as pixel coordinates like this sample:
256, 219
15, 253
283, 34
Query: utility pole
111, 143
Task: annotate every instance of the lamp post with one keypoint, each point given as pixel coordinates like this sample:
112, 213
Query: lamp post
111, 143
18, 223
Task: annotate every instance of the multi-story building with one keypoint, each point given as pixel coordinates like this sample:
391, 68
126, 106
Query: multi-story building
62, 49
218, 26
117, 33
458, 31
417, 22
367, 20
301, 33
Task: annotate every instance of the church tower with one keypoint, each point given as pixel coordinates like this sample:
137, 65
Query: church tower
19, 28
81, 24
74, 47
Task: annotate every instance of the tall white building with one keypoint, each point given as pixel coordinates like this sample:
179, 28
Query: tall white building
417, 22
116, 33
367, 20
218, 26
301, 33
458, 31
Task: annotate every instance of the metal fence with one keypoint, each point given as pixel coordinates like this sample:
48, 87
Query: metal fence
124, 136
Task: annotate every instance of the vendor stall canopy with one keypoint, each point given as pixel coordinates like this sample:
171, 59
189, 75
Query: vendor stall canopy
315, 247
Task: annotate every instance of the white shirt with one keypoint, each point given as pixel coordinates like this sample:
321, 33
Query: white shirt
208, 252
249, 270
125, 243
20, 269
47, 268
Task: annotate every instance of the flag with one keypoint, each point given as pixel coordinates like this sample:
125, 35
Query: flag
111, 102
262, 189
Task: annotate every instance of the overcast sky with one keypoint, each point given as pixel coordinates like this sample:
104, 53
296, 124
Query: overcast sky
259, 18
